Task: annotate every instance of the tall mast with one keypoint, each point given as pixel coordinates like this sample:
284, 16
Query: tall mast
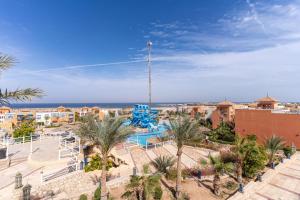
149, 45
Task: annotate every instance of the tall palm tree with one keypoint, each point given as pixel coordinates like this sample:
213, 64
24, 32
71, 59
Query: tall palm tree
272, 145
105, 134
183, 129
219, 167
142, 187
19, 94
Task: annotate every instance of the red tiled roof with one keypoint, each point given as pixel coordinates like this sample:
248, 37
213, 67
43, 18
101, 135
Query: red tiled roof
266, 99
225, 103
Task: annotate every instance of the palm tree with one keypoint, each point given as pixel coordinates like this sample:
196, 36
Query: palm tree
19, 94
142, 187
273, 144
183, 129
162, 163
240, 151
105, 134
219, 167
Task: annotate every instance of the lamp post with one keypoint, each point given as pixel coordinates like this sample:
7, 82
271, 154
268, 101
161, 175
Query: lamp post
149, 45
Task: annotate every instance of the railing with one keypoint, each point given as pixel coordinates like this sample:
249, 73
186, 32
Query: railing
58, 173
20, 140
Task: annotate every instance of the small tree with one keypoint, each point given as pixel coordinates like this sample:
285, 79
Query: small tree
162, 163
25, 129
273, 144
219, 167
143, 187
225, 132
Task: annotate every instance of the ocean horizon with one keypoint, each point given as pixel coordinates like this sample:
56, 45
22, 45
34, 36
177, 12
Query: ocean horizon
79, 105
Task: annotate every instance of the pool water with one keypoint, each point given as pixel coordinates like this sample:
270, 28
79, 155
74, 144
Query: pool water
141, 138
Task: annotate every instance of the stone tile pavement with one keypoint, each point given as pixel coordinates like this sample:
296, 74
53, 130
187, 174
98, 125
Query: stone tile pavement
282, 183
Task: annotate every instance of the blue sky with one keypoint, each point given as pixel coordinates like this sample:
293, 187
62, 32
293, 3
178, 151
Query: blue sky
95, 51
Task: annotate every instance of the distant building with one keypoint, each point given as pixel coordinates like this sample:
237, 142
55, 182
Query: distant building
224, 113
49, 118
204, 111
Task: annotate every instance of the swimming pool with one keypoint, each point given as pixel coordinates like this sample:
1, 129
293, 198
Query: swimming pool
141, 138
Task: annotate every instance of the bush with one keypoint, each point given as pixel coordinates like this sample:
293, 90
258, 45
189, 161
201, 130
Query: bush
146, 168
227, 157
157, 193
96, 164
25, 129
97, 194
254, 161
287, 151
83, 197
231, 185
172, 174
223, 134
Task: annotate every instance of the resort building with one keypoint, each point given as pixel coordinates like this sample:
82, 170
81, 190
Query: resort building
100, 113
264, 118
204, 111
268, 119
224, 113
49, 118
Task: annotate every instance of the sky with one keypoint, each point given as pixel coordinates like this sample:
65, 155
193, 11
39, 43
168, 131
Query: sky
203, 51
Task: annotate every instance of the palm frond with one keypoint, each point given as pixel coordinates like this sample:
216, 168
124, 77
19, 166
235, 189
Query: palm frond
106, 133
19, 95
184, 130
162, 163
6, 61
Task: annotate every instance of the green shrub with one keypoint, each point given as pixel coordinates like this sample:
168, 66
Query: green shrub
223, 134
254, 161
287, 151
97, 194
157, 193
83, 197
146, 168
25, 129
96, 164
172, 174
231, 185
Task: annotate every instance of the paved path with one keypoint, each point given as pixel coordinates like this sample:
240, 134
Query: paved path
186, 160
44, 158
283, 183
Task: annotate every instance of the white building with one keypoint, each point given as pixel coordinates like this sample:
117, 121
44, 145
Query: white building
43, 118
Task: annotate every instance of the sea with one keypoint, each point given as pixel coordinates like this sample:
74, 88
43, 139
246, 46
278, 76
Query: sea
79, 105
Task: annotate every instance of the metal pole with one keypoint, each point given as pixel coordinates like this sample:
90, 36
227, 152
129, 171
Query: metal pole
7, 144
30, 143
149, 45
79, 145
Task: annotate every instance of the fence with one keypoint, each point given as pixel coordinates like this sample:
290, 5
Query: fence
21, 140
58, 173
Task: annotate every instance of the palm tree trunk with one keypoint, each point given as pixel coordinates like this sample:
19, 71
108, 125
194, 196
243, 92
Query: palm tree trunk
103, 179
140, 195
216, 184
239, 171
271, 159
178, 180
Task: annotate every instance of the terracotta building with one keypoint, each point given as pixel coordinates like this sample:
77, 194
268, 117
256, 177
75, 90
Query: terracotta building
224, 113
266, 120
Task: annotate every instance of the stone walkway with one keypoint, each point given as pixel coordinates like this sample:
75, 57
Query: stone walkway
44, 158
283, 183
